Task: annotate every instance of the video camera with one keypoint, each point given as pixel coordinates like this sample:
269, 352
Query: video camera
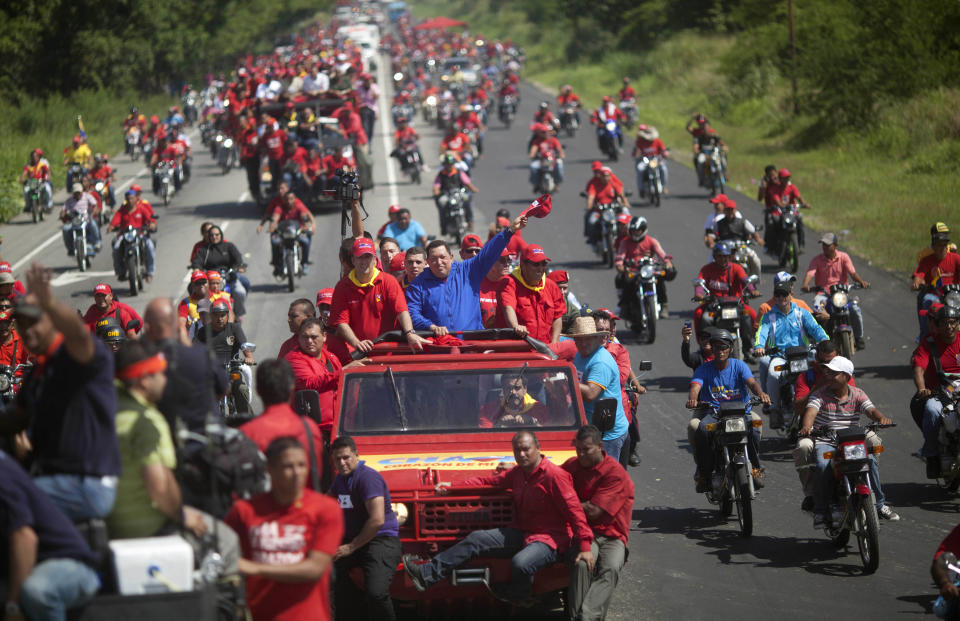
348, 187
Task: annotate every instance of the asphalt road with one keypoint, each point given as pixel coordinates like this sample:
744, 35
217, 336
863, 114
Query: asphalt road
683, 558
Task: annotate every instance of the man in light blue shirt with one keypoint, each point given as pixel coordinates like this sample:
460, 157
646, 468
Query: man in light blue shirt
407, 232
599, 379
786, 325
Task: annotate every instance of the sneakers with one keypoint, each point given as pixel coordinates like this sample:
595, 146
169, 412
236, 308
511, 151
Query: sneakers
758, 476
776, 419
933, 467
634, 459
664, 313
819, 521
887, 513
859, 343
411, 567
807, 504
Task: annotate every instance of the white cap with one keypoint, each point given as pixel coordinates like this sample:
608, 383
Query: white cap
841, 365
781, 278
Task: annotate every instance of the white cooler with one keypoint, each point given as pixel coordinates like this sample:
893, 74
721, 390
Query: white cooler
153, 565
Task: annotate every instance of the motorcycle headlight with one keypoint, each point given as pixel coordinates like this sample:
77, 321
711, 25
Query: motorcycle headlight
443, 200
228, 143
734, 425
398, 77
646, 272
728, 313
219, 138
432, 100
77, 220
611, 126
99, 186
952, 299
854, 451
288, 233
838, 299
609, 216
799, 366
130, 236
4, 383
654, 162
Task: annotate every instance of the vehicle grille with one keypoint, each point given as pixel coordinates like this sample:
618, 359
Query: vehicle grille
457, 517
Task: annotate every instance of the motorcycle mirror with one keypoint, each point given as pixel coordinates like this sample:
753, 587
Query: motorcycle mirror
699, 282
645, 365
250, 347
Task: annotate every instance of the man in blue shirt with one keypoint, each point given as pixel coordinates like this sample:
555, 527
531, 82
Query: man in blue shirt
725, 379
370, 539
599, 379
446, 297
787, 325
407, 232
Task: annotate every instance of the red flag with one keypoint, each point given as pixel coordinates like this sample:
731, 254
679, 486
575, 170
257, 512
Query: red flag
539, 208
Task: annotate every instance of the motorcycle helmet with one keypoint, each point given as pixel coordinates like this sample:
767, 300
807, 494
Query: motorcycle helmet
544, 105
449, 159
719, 335
38, 152
111, 332
134, 111
98, 158
721, 249
638, 228
947, 312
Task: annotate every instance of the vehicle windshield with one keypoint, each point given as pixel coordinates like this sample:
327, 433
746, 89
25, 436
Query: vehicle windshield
396, 402
459, 61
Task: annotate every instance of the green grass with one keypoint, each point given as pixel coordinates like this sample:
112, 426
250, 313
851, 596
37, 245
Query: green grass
885, 185
51, 124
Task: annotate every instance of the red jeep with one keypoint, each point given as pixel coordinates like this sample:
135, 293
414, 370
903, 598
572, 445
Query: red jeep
431, 417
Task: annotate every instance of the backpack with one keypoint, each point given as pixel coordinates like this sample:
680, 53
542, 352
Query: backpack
229, 468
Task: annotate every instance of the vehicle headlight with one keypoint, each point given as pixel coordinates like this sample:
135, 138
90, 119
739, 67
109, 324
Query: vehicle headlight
228, 143
400, 509
854, 451
952, 299
654, 162
734, 425
728, 313
219, 138
99, 186
609, 215
839, 299
4, 382
397, 77
646, 271
432, 100
77, 220
130, 236
611, 126
799, 366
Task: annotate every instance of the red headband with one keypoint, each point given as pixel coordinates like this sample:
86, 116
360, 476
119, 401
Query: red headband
153, 364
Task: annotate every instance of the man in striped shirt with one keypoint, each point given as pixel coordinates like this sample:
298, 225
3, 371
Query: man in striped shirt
837, 405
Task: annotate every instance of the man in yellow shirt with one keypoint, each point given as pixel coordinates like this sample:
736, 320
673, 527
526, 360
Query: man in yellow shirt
77, 153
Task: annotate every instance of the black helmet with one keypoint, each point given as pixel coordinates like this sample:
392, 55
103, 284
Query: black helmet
638, 225
947, 312
134, 111
503, 213
721, 335
110, 331
544, 105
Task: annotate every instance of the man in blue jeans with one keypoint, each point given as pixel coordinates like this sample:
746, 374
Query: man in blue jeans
50, 566
68, 403
546, 508
599, 379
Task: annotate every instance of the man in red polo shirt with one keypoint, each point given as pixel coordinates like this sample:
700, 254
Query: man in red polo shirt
271, 144
726, 279
548, 520
531, 303
299, 310
106, 305
367, 303
606, 495
492, 286
314, 368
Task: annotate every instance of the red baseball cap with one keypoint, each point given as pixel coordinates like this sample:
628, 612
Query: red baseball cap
559, 276
325, 296
5, 267
501, 221
363, 246
719, 198
136, 187
198, 275
213, 275
729, 204
103, 288
534, 254
396, 263
394, 209
607, 311
471, 241
597, 165
784, 173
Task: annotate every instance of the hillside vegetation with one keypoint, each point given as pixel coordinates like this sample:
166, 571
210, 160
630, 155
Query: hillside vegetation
874, 144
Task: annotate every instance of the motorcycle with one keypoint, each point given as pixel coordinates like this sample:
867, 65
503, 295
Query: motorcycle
839, 305
796, 362
608, 139
132, 141
235, 406
429, 108
507, 110
852, 495
74, 173
639, 304
787, 237
445, 114
743, 254
401, 111
949, 436
723, 312
78, 230
227, 155
652, 175
568, 119
10, 380
409, 158
546, 174
453, 218
732, 478
103, 189
190, 110
164, 171
36, 198
713, 165
146, 146
292, 257
629, 109
132, 251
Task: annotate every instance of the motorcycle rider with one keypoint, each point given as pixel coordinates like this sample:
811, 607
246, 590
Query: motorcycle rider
469, 121
543, 142
766, 194
77, 153
182, 141
406, 135
102, 171
131, 213
165, 151
734, 227
649, 145
936, 270
832, 267
457, 143
295, 210
568, 98
450, 178
109, 331
839, 406
603, 188
787, 325
935, 360
83, 203
608, 111
725, 379
782, 192
545, 116
38, 168
637, 246
226, 339
222, 256
725, 278
626, 92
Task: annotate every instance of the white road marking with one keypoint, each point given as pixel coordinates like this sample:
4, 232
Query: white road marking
384, 125
72, 276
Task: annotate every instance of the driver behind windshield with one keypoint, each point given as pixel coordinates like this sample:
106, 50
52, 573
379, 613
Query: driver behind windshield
515, 408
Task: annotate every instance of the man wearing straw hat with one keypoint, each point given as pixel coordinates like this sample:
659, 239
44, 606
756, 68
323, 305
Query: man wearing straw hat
599, 379
650, 146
